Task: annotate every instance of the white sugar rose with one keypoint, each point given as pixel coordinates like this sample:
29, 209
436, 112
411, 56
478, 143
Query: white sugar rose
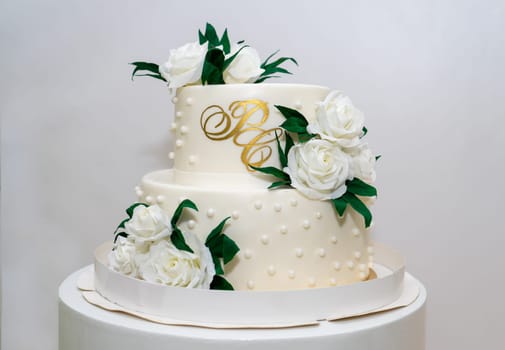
245, 67
363, 163
318, 169
148, 224
337, 120
166, 264
184, 65
122, 257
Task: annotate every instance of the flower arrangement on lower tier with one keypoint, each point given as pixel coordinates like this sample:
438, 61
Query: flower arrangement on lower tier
213, 60
149, 245
329, 160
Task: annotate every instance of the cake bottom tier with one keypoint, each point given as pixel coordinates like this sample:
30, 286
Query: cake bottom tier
83, 326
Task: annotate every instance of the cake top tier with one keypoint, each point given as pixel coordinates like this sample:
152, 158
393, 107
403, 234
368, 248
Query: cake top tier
226, 128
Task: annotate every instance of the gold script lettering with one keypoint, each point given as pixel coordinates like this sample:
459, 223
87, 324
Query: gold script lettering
243, 125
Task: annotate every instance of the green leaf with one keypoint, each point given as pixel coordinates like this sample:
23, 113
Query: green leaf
289, 143
211, 35
289, 113
340, 205
146, 66
214, 234
132, 207
361, 188
178, 211
212, 72
220, 283
232, 57
359, 206
378, 157
230, 249
218, 266
122, 234
225, 41
201, 38
273, 171
365, 131
278, 184
178, 240
304, 137
294, 125
282, 156
121, 225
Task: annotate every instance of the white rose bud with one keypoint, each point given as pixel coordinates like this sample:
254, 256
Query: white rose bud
245, 67
337, 120
122, 257
363, 163
165, 264
148, 224
184, 65
318, 169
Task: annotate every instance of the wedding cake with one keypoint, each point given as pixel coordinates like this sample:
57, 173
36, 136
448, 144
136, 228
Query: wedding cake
267, 203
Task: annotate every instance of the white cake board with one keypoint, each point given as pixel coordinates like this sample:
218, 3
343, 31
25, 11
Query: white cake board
84, 326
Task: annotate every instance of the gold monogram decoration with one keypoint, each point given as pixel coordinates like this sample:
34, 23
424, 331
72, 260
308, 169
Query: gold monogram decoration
242, 124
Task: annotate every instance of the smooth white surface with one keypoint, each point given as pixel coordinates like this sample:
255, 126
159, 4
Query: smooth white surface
85, 327
77, 135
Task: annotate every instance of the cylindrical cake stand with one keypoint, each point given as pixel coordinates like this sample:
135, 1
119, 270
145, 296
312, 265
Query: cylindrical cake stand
83, 326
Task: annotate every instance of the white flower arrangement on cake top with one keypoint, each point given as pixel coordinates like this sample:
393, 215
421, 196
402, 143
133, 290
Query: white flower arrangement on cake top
212, 60
150, 246
329, 161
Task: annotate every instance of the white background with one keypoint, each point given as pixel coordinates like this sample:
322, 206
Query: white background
77, 135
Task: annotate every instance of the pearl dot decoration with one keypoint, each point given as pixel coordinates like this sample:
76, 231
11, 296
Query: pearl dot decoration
149, 199
298, 105
191, 224
175, 99
178, 114
247, 254
370, 250
357, 255
334, 239
362, 267
350, 265
283, 229
271, 270
319, 215
312, 282
355, 232
299, 252
250, 284
264, 239
333, 282
184, 129
277, 207
258, 205
362, 276
291, 274
189, 101
171, 155
321, 252
160, 199
173, 126
211, 212
235, 215
306, 224
138, 191
336, 265
179, 143
293, 202
192, 160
